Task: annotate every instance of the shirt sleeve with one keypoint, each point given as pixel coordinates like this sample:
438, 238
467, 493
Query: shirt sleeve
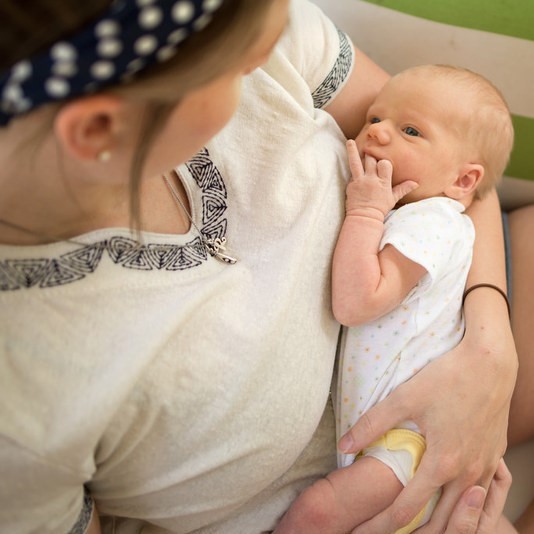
322, 54
38, 496
433, 233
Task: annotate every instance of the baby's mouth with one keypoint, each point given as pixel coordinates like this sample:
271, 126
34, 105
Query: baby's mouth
367, 152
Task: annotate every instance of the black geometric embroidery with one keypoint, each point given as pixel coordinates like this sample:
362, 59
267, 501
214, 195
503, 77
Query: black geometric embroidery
214, 194
337, 75
213, 207
137, 259
120, 248
26, 273
191, 255
205, 174
161, 255
85, 516
127, 252
217, 228
7, 282
58, 274
85, 259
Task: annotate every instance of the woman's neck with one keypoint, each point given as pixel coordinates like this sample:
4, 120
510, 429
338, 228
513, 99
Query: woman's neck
47, 196
49, 211
34, 219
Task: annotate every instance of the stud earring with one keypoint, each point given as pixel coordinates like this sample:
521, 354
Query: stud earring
104, 156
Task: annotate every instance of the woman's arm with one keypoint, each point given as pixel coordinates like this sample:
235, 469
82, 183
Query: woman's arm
350, 105
476, 513
460, 401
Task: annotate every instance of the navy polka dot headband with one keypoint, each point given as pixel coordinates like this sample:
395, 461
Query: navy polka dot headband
130, 36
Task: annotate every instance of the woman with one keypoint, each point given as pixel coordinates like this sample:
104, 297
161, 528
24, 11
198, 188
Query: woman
168, 342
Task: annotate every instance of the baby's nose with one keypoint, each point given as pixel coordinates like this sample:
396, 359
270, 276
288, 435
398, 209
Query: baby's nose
380, 131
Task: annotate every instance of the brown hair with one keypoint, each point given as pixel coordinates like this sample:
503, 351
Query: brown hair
30, 27
488, 127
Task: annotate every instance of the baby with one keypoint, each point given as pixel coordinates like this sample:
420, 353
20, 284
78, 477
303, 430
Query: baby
435, 138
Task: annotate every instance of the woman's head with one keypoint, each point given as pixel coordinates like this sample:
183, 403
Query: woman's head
137, 46
189, 91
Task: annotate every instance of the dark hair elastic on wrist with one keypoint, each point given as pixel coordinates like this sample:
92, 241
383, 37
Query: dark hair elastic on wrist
491, 286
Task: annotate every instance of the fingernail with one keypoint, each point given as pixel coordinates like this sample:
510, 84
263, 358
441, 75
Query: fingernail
476, 498
346, 443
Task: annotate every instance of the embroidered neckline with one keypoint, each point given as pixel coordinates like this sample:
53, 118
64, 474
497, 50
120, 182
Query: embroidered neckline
127, 252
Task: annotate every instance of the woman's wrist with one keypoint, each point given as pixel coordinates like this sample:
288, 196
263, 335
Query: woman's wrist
492, 353
487, 325
492, 287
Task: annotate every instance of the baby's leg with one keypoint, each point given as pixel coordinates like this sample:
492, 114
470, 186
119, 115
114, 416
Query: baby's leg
342, 500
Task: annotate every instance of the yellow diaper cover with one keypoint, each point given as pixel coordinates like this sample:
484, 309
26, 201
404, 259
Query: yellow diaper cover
391, 449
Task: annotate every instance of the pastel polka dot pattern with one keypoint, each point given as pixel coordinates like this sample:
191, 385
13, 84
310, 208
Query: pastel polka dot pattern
130, 37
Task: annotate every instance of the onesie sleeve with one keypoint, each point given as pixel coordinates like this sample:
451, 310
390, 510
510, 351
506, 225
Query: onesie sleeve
433, 233
38, 496
319, 51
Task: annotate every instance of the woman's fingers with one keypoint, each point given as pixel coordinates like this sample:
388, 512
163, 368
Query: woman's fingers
370, 426
466, 514
495, 501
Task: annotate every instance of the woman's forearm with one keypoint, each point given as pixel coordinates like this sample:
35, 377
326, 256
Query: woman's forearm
485, 309
488, 258
488, 328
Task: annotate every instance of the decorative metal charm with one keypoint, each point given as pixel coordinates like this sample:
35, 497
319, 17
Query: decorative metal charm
215, 246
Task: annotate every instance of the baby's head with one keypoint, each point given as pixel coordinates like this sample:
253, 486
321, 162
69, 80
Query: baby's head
445, 127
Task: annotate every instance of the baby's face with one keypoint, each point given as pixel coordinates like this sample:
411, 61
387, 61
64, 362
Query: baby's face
414, 124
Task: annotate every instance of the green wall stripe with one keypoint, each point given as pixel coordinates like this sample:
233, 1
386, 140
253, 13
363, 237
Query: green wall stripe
521, 162
507, 17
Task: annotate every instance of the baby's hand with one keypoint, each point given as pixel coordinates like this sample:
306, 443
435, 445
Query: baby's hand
369, 192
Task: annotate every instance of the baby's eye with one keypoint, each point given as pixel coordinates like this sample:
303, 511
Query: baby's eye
374, 120
411, 131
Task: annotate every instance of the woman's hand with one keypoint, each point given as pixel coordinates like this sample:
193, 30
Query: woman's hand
477, 514
460, 403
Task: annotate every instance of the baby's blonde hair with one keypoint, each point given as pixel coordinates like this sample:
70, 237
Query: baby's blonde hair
488, 128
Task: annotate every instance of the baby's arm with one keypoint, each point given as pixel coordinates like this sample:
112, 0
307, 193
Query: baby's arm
342, 500
367, 283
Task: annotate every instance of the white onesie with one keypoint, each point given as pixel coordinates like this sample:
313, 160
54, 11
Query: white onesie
380, 355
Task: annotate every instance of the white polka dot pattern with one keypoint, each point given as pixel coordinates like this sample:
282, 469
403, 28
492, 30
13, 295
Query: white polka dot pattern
127, 39
183, 11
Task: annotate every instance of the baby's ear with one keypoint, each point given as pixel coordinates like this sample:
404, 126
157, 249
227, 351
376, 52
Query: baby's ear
468, 180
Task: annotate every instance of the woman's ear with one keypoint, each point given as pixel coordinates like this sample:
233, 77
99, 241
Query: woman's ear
467, 181
86, 128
